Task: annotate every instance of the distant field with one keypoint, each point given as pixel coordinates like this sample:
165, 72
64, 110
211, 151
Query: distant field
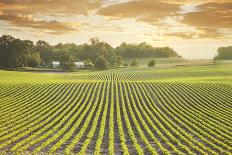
168, 62
175, 110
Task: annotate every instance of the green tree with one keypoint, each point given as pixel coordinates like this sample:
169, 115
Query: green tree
151, 63
224, 53
132, 50
101, 63
19, 50
45, 51
13, 52
88, 63
5, 49
119, 61
33, 60
134, 63
67, 61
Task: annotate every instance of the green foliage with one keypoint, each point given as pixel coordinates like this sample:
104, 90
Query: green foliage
134, 63
144, 50
33, 60
119, 61
67, 61
125, 64
151, 63
88, 63
46, 53
224, 53
14, 52
101, 63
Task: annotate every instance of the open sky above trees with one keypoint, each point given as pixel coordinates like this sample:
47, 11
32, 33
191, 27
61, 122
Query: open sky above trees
194, 28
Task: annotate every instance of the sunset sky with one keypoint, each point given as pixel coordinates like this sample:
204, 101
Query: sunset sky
194, 28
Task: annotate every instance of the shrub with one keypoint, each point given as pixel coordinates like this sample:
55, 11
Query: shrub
151, 63
134, 63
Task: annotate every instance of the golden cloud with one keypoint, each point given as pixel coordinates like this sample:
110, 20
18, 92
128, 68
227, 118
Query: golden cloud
52, 27
150, 11
208, 17
200, 33
184, 2
213, 15
183, 35
50, 6
22, 13
210, 33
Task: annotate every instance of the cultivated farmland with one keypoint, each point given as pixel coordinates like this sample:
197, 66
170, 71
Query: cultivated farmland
183, 110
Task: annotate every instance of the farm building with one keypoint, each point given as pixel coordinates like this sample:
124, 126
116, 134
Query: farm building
55, 64
80, 64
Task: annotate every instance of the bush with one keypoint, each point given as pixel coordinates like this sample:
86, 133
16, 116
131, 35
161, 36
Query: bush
101, 63
134, 63
125, 65
89, 65
152, 63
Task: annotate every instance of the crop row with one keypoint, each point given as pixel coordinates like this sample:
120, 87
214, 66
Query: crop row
119, 116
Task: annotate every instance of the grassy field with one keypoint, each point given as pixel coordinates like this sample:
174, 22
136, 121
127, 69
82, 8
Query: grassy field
175, 110
170, 62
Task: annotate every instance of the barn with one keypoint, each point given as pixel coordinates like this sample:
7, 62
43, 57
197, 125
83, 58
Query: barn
80, 64
55, 64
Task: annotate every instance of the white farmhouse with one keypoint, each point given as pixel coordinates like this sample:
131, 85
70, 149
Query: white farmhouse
55, 64
80, 64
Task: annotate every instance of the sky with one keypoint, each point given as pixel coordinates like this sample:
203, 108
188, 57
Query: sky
194, 28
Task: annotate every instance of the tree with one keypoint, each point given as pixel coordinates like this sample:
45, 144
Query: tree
13, 52
5, 49
134, 63
119, 60
45, 51
101, 63
151, 63
224, 53
19, 50
132, 50
33, 60
67, 61
89, 64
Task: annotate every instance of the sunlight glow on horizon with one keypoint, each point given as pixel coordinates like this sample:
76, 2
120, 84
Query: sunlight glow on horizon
186, 27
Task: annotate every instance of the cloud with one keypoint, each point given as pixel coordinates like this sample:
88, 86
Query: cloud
166, 16
52, 27
150, 11
23, 13
210, 33
183, 35
194, 1
213, 15
200, 33
82, 7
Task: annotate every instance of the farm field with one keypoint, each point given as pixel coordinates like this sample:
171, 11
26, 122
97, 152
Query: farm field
177, 110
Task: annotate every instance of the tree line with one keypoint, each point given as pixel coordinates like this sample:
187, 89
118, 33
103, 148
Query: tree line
224, 53
19, 53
